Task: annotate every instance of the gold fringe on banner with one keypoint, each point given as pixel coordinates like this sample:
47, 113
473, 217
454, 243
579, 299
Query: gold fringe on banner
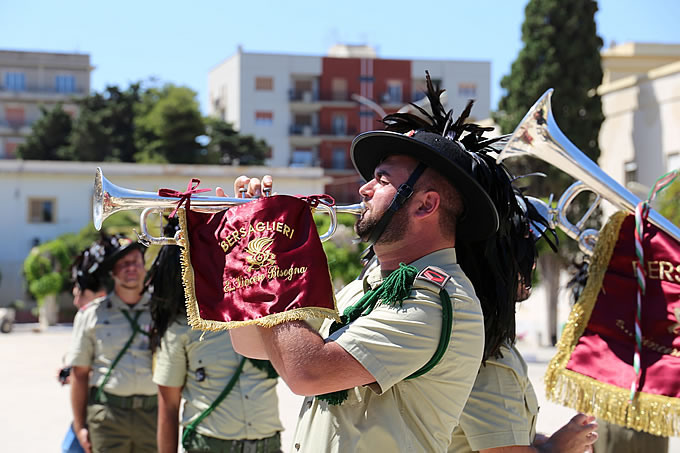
193, 312
655, 414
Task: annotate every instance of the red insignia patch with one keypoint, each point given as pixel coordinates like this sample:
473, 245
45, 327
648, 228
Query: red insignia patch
434, 275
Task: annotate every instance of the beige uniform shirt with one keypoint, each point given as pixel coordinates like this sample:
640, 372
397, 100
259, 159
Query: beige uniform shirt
100, 332
502, 407
393, 414
250, 411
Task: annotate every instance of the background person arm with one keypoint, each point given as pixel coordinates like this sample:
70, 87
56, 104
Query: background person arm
80, 376
576, 436
167, 436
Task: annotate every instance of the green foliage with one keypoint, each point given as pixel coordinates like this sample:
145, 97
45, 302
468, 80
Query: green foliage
49, 136
47, 268
561, 51
342, 253
154, 124
104, 129
227, 146
168, 123
669, 203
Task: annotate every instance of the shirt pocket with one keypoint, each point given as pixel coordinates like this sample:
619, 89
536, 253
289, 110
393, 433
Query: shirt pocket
110, 340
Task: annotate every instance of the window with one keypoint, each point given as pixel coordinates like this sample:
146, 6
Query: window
339, 89
264, 83
630, 172
468, 90
263, 118
10, 150
302, 157
339, 124
15, 116
65, 84
339, 161
41, 210
15, 81
393, 94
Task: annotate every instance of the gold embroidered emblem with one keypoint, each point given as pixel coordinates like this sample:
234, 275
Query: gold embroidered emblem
259, 255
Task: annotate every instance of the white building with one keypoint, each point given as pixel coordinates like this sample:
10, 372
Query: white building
640, 139
30, 80
43, 200
307, 107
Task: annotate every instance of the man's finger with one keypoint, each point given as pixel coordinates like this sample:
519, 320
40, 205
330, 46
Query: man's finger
255, 187
240, 182
267, 183
220, 192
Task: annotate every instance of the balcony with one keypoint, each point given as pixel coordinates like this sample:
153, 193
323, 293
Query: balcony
338, 133
39, 94
303, 96
15, 128
305, 130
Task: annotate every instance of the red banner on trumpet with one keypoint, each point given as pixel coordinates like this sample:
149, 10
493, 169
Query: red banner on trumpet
257, 263
593, 369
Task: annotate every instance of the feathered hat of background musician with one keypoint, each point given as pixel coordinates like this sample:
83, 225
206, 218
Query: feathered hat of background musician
496, 234
88, 272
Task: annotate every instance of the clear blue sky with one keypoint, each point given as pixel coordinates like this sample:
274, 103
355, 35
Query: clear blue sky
180, 42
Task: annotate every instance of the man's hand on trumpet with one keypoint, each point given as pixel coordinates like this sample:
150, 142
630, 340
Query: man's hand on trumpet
245, 187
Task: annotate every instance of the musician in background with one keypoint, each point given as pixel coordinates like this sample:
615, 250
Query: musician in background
112, 396
230, 403
89, 283
501, 413
395, 374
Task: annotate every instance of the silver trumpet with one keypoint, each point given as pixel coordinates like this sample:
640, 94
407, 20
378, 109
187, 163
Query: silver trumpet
110, 198
537, 135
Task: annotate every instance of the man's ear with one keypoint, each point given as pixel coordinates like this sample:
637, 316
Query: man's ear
427, 203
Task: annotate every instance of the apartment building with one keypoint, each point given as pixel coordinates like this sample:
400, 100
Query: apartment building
29, 80
309, 108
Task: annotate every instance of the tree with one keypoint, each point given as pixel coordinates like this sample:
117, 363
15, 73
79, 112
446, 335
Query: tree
561, 51
104, 129
669, 206
342, 253
49, 136
227, 146
169, 122
140, 124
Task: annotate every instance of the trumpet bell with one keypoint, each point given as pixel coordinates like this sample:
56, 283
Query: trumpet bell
537, 135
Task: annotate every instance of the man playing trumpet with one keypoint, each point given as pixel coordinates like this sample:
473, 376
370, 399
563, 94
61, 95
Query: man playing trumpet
395, 374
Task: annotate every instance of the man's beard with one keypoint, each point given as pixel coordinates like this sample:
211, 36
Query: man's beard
395, 231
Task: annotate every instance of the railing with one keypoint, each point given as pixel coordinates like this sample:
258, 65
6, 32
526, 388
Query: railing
303, 96
42, 90
303, 129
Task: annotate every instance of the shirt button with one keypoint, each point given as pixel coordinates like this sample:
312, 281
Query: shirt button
246, 396
297, 446
250, 424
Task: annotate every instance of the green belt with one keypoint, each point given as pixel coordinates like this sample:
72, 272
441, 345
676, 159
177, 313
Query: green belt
123, 402
199, 442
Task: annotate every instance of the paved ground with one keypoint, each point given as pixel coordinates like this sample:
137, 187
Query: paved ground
36, 412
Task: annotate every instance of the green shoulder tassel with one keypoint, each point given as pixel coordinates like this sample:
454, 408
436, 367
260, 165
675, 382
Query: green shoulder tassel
393, 290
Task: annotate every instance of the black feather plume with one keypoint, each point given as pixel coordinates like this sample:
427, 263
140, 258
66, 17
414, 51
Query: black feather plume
508, 257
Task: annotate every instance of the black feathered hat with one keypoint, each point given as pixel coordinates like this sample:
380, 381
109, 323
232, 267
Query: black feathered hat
120, 246
448, 157
434, 139
87, 270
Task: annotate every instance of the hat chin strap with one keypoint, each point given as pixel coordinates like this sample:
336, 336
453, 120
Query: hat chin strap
404, 192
